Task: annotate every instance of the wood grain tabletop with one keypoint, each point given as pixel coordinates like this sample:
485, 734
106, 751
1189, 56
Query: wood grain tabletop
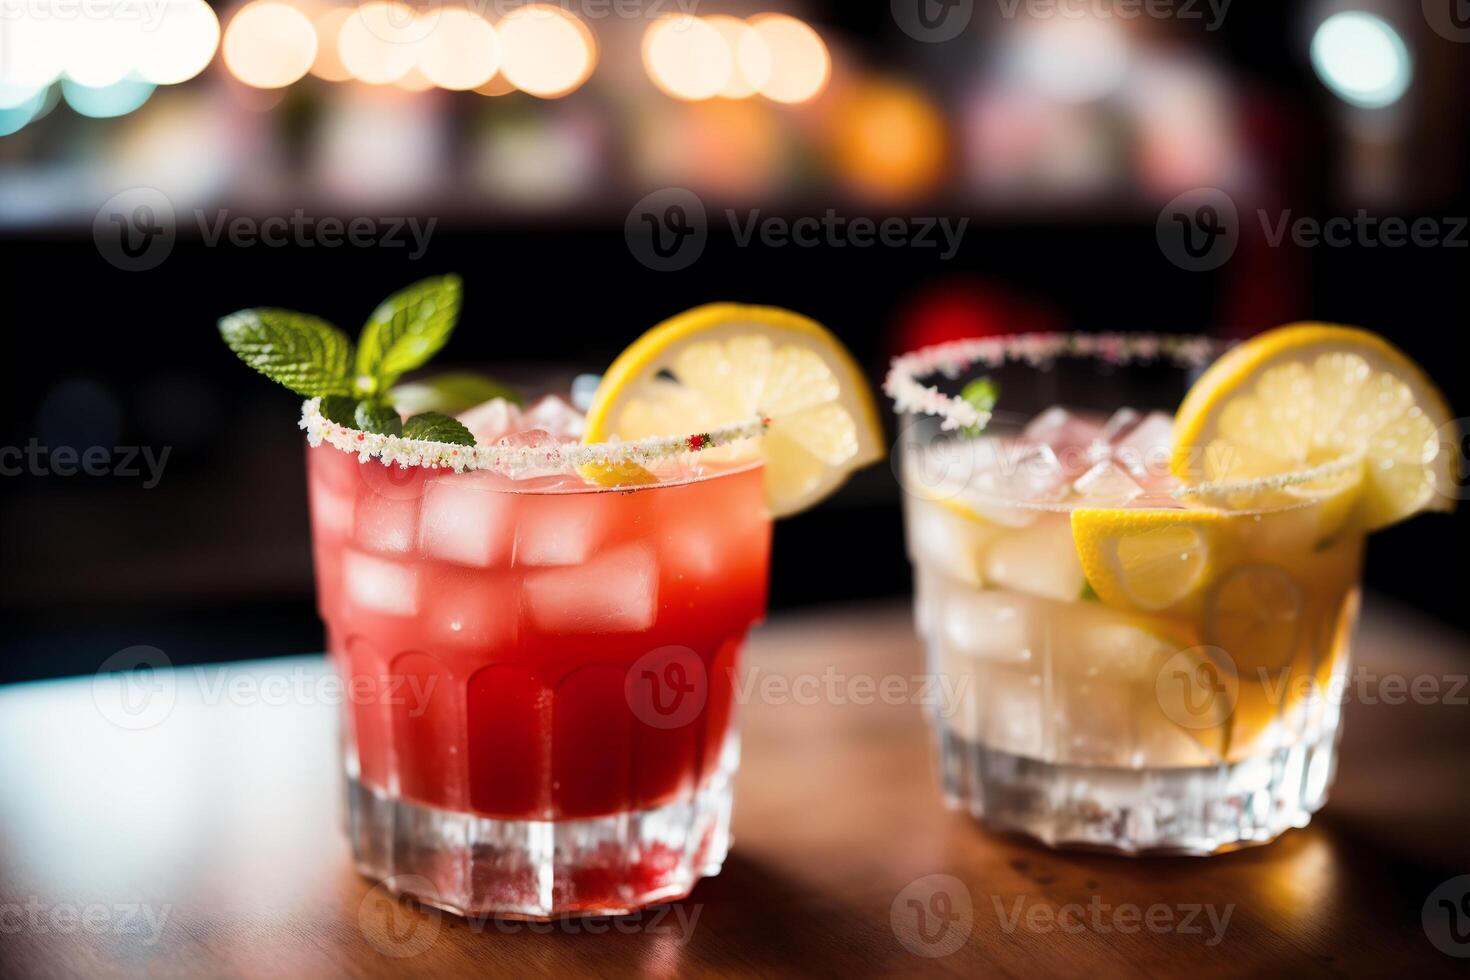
203, 838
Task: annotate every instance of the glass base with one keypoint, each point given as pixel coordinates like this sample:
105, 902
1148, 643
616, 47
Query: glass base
1190, 811
539, 869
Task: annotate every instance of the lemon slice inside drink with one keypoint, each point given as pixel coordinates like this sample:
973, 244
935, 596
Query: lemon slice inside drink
1150, 560
725, 363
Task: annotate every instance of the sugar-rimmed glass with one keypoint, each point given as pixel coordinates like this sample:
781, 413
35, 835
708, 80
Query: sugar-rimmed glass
1195, 717
539, 719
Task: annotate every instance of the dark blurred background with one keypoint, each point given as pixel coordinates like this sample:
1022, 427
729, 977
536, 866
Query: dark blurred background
1064, 132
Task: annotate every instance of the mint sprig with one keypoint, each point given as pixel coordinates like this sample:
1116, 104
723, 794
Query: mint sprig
304, 353
982, 394
315, 359
438, 428
373, 417
341, 409
406, 330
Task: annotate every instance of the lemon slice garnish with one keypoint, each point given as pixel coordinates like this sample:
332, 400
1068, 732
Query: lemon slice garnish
1306, 396
723, 363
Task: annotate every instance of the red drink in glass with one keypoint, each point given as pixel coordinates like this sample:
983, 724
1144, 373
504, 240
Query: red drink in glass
539, 715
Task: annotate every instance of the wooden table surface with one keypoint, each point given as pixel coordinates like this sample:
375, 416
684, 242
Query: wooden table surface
209, 844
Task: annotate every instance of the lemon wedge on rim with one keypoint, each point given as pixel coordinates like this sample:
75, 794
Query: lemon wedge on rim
725, 363
1311, 396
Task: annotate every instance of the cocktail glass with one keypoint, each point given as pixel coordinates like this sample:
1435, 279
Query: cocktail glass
1189, 708
539, 715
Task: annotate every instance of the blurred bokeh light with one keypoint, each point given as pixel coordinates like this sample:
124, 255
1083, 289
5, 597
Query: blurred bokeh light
1361, 58
269, 44
549, 52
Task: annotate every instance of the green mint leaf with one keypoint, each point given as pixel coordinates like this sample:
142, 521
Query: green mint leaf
340, 409
451, 393
405, 331
438, 428
982, 394
373, 417
304, 353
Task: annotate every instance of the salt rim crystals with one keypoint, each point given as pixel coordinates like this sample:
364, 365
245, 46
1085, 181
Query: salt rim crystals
951, 359
512, 461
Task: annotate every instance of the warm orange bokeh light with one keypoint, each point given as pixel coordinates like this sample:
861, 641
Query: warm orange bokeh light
269, 45
687, 57
800, 62
461, 52
546, 52
752, 57
888, 140
379, 42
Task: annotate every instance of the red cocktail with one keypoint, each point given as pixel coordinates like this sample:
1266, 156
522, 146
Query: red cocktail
539, 676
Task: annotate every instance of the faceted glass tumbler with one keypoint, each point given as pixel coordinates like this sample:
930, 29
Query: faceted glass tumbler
1192, 721
539, 717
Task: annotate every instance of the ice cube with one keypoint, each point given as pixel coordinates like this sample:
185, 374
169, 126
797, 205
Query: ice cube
473, 609
379, 584
942, 539
331, 511
1061, 430
1011, 707
1021, 472
988, 624
339, 470
1145, 451
555, 416
490, 420
615, 592
556, 529
1039, 560
386, 524
467, 519
1115, 429
544, 460
1105, 485
1097, 720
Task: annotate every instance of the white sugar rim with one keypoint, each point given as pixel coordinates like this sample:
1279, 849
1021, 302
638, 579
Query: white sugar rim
912, 396
514, 461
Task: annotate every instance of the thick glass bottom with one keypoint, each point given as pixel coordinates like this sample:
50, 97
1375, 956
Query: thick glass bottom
1195, 810
538, 869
